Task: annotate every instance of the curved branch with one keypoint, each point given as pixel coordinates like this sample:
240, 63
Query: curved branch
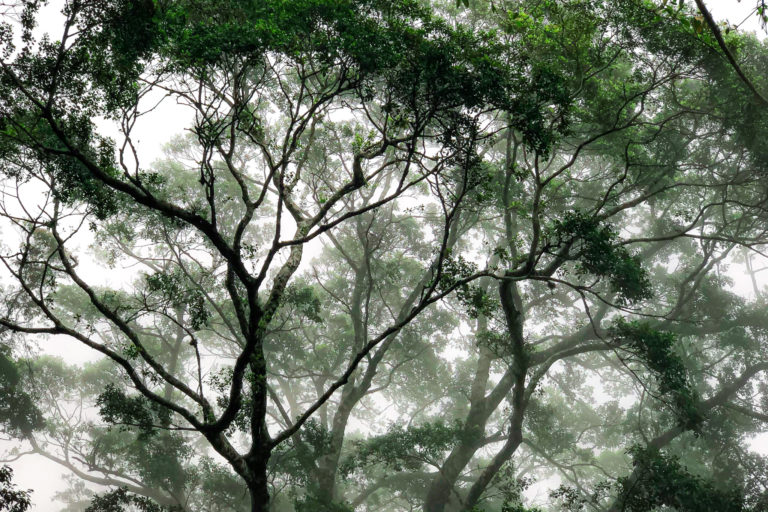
727, 51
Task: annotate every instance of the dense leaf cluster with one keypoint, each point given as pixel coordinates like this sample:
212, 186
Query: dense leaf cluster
597, 249
19, 413
656, 349
661, 481
117, 408
176, 290
121, 500
404, 447
456, 273
12, 499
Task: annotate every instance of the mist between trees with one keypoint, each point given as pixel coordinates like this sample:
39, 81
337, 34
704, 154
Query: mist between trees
408, 255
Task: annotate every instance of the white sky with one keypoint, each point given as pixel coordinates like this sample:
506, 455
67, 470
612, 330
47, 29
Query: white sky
45, 477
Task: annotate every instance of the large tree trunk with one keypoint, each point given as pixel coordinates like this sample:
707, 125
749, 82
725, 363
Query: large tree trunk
328, 466
259, 497
442, 489
257, 487
510, 447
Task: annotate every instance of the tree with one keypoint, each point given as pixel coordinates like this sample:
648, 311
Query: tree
265, 83
505, 210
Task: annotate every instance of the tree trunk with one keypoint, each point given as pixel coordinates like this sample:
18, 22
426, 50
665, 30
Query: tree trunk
442, 489
257, 487
259, 497
482, 482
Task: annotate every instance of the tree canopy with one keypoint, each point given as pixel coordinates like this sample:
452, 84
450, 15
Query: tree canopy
407, 255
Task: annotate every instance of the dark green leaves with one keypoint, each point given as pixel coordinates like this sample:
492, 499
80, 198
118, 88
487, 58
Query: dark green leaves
28, 144
597, 249
117, 408
661, 481
471, 296
120, 500
314, 503
304, 300
421, 66
656, 349
405, 448
177, 292
156, 453
18, 413
12, 499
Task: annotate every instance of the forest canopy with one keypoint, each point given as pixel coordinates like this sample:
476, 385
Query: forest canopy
473, 256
